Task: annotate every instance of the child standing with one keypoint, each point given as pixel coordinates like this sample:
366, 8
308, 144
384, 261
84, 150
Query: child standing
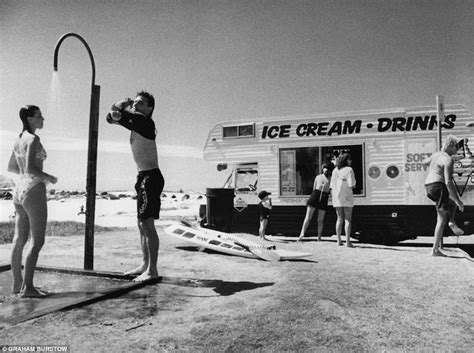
264, 208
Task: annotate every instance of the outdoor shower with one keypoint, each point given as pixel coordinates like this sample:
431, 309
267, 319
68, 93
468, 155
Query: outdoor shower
92, 155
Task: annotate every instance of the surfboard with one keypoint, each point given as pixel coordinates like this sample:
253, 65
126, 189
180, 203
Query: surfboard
283, 239
267, 253
284, 254
226, 243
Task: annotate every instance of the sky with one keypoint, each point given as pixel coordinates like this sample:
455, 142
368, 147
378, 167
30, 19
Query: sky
212, 61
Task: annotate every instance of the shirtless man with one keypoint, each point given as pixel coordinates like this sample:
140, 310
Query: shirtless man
441, 190
136, 116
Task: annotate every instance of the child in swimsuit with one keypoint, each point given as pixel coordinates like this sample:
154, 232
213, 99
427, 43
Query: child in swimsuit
264, 207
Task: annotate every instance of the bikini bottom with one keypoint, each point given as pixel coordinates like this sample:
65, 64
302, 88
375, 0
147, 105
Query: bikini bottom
24, 186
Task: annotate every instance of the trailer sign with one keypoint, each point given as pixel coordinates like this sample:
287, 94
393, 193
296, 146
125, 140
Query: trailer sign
415, 162
348, 127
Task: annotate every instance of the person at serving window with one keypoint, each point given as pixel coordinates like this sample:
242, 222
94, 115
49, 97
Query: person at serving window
318, 200
342, 183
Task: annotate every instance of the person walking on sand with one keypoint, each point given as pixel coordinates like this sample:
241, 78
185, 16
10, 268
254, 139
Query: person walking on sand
441, 190
318, 200
136, 116
264, 208
29, 200
342, 183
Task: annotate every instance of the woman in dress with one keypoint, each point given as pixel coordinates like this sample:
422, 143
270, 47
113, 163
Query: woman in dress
29, 200
342, 183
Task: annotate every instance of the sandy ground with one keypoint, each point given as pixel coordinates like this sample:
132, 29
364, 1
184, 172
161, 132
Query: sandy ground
370, 298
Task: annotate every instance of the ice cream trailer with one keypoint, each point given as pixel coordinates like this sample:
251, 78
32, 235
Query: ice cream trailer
282, 155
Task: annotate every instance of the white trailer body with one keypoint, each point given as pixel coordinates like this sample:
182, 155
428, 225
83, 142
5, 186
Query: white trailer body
283, 155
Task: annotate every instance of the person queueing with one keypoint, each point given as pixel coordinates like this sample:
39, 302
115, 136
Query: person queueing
440, 189
264, 208
29, 200
318, 201
136, 116
342, 183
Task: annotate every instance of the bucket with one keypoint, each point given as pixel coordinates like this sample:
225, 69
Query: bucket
220, 204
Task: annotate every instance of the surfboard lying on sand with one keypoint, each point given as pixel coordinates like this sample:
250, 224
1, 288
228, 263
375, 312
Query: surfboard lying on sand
226, 243
283, 239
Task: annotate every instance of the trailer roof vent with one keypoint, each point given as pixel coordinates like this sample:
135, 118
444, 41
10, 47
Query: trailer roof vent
237, 131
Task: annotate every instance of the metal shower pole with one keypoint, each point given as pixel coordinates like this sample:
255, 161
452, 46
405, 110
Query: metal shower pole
92, 155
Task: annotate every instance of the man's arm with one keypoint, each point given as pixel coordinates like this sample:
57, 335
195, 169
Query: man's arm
133, 121
122, 105
448, 176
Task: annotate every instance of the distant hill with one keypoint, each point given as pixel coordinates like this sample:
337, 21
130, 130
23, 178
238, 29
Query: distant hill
6, 182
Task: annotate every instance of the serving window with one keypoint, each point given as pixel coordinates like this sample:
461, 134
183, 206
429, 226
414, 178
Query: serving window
299, 166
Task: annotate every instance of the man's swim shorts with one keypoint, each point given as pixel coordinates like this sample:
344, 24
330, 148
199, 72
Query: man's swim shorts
439, 194
149, 186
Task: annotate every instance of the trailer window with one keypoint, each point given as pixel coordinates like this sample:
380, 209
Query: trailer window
238, 131
299, 167
246, 180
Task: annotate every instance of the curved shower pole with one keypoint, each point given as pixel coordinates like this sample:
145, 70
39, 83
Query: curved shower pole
92, 154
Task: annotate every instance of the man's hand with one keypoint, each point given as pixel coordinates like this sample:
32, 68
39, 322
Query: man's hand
113, 117
116, 116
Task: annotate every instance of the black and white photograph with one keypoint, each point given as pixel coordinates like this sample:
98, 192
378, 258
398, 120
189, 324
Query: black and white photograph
236, 175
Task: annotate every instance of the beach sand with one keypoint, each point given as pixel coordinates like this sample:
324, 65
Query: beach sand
371, 298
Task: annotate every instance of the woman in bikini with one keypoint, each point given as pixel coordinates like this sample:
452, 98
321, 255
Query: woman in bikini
29, 200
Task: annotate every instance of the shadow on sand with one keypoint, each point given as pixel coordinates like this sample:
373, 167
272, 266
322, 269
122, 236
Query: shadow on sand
224, 288
376, 247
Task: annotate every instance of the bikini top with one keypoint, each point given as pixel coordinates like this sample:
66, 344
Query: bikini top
20, 152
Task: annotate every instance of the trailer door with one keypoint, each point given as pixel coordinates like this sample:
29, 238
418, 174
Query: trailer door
415, 171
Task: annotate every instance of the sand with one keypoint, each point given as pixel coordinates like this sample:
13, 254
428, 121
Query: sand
371, 298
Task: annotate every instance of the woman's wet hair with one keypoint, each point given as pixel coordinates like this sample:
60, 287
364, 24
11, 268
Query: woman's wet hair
342, 160
26, 112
